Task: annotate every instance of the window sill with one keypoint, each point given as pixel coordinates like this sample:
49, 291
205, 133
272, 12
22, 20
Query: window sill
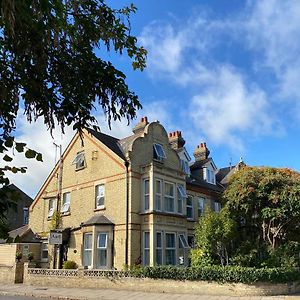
65, 214
81, 168
100, 208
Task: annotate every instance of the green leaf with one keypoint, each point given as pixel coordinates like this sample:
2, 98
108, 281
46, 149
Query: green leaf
7, 158
30, 153
20, 147
9, 142
39, 157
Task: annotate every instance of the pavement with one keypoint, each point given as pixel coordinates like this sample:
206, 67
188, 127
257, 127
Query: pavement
109, 294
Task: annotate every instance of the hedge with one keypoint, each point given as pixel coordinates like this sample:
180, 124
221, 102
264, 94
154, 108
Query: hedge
220, 274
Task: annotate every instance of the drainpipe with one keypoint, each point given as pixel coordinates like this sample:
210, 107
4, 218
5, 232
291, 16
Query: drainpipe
127, 214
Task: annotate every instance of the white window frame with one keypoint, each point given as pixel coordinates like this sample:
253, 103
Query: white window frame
189, 206
146, 250
51, 208
181, 195
99, 194
183, 241
201, 206
159, 152
169, 197
87, 249
44, 249
170, 248
79, 160
25, 215
146, 195
209, 175
102, 248
66, 203
158, 196
157, 248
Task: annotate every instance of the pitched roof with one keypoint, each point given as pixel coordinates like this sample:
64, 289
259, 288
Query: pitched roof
204, 184
199, 163
111, 142
127, 142
223, 172
97, 220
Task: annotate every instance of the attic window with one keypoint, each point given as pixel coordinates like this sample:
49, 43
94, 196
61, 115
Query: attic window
79, 160
158, 152
185, 167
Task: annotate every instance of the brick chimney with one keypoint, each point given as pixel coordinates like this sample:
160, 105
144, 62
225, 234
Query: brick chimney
201, 152
139, 127
176, 140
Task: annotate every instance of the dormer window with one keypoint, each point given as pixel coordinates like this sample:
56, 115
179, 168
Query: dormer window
158, 152
79, 160
209, 175
185, 167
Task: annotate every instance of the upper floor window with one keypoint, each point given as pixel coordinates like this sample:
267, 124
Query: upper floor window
146, 195
181, 194
201, 203
169, 202
79, 160
100, 195
189, 207
209, 175
158, 152
158, 194
185, 167
66, 201
25, 216
51, 207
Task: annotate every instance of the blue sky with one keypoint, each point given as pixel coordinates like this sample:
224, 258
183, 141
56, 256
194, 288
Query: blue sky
223, 72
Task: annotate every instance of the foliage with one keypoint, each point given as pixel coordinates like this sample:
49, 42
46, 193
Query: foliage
56, 220
30, 256
213, 235
267, 200
19, 255
69, 264
50, 68
220, 274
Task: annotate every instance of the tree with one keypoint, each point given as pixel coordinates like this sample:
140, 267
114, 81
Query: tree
267, 200
50, 67
213, 234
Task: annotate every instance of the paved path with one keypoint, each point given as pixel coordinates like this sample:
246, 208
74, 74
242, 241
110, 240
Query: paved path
103, 294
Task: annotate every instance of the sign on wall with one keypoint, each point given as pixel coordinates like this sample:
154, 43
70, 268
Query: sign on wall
55, 238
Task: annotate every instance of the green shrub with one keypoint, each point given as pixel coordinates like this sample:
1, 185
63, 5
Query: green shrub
220, 274
69, 264
30, 256
19, 255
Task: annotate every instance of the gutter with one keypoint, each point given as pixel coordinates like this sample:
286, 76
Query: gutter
127, 214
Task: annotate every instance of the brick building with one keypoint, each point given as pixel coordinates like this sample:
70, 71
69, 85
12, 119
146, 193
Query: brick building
127, 201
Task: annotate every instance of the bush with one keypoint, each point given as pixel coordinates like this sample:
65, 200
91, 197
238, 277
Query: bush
30, 256
69, 264
19, 255
220, 274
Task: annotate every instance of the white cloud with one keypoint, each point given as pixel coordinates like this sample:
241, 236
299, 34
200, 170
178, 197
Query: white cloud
224, 103
227, 108
272, 28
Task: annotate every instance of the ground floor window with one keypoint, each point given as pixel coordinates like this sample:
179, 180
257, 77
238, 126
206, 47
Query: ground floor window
170, 251
158, 253
146, 248
102, 249
87, 249
44, 252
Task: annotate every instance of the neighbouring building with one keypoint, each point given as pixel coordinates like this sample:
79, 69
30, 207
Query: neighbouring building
18, 214
126, 201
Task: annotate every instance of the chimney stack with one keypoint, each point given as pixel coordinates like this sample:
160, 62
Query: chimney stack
139, 127
176, 140
201, 152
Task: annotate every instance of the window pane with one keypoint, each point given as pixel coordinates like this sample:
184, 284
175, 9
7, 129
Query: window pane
157, 202
170, 240
146, 240
146, 186
159, 256
146, 195
169, 204
158, 186
146, 257
158, 240
169, 189
87, 257
100, 195
170, 257
87, 241
102, 258
102, 240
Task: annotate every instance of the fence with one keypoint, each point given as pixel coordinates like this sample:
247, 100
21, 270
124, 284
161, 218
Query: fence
111, 279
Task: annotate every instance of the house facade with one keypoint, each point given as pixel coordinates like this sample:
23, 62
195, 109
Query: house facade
125, 201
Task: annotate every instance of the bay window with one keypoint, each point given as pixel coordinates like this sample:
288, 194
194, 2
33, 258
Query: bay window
180, 198
158, 248
169, 198
170, 249
146, 248
102, 240
158, 194
146, 194
189, 207
87, 249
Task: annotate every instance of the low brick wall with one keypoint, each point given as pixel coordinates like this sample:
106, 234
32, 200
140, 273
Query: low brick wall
12, 274
115, 280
